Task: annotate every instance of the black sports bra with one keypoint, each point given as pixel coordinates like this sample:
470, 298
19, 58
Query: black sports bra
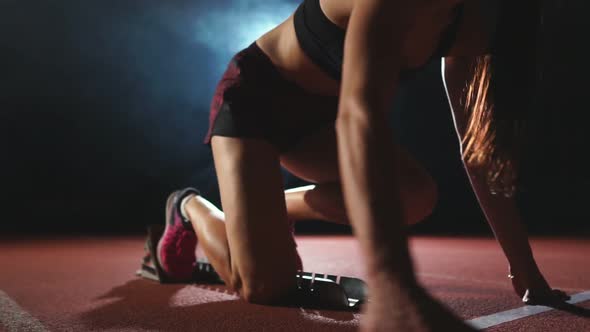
323, 41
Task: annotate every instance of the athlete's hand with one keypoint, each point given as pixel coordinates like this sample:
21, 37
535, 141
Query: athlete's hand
533, 289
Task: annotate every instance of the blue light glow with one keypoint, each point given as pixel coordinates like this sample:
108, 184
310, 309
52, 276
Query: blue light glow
228, 30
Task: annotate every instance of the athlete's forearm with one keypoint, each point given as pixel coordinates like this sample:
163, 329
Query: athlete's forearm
504, 218
367, 166
501, 212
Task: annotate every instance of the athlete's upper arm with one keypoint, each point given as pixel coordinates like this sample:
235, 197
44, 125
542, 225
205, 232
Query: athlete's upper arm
372, 53
457, 73
476, 30
373, 50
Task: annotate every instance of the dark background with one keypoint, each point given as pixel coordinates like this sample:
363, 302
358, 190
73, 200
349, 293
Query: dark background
103, 106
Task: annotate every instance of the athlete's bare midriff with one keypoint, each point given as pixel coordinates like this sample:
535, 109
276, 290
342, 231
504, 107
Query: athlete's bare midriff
282, 46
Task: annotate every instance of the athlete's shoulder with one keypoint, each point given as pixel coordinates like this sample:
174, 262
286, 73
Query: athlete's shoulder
429, 6
438, 3
476, 30
409, 5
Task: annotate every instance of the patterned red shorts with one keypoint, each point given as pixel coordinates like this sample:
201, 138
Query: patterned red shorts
253, 100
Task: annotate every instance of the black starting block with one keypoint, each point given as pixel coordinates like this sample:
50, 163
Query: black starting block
314, 290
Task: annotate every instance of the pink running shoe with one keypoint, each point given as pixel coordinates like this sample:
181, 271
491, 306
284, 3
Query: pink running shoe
176, 248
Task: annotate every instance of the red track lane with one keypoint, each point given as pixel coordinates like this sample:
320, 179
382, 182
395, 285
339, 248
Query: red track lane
81, 284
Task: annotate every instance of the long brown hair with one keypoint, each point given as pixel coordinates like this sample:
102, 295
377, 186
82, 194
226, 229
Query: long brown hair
500, 96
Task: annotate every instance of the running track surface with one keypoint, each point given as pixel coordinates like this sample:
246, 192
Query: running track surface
88, 283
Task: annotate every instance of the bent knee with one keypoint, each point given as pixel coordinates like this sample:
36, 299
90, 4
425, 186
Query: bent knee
266, 284
422, 198
327, 200
266, 291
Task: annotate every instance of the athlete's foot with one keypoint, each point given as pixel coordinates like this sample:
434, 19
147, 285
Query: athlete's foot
176, 248
400, 307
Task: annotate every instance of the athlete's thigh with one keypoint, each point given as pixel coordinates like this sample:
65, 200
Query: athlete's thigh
315, 158
251, 187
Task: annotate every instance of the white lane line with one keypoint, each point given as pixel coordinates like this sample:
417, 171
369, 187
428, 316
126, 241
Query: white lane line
449, 277
490, 282
484, 322
15, 318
